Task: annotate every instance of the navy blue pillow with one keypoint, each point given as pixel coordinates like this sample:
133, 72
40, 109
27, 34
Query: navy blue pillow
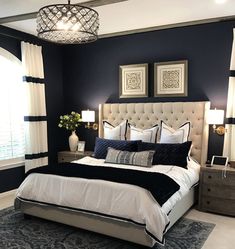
168, 154
101, 146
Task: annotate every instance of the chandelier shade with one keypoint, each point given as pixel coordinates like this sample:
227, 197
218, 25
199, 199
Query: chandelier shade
67, 23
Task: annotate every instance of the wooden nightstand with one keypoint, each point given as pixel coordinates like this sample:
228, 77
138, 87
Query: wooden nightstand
216, 193
68, 156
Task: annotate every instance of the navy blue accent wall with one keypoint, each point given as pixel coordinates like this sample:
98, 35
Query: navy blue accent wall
11, 178
53, 71
91, 72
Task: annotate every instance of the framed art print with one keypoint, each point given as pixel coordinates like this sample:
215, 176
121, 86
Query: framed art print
133, 81
171, 79
81, 146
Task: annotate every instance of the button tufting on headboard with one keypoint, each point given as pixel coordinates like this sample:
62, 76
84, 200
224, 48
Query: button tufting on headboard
145, 115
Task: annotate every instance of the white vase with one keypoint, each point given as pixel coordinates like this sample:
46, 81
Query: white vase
73, 141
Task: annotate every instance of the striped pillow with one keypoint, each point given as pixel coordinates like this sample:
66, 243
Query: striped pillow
143, 158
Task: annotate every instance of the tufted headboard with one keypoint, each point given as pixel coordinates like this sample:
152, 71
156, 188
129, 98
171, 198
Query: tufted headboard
146, 115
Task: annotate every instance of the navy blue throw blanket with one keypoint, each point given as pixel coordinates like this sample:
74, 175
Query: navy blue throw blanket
161, 186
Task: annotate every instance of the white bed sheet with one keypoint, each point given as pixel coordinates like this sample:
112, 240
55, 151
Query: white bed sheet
110, 198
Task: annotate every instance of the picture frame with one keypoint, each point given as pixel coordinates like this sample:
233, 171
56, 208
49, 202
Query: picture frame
133, 81
171, 79
219, 160
81, 146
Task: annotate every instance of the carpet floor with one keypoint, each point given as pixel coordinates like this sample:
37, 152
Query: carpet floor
19, 233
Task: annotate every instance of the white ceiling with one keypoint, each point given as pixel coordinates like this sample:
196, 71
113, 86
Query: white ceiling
129, 15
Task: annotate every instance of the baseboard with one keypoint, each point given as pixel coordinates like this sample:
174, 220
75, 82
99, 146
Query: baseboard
5, 194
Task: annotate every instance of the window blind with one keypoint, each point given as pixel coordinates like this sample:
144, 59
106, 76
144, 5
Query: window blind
12, 140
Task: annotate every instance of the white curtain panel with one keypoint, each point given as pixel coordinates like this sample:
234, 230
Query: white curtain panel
229, 139
35, 107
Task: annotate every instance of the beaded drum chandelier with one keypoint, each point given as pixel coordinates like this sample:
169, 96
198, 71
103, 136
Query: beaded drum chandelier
67, 23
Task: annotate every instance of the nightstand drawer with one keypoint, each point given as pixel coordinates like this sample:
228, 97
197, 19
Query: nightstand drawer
217, 179
68, 156
218, 205
65, 159
226, 192
217, 193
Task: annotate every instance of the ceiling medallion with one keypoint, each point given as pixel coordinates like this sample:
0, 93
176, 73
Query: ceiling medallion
67, 23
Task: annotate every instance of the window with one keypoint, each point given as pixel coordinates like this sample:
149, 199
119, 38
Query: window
12, 141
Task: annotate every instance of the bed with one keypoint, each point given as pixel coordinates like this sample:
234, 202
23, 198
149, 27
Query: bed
142, 115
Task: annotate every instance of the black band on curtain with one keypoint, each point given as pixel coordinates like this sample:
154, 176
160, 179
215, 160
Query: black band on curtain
36, 156
232, 73
35, 118
230, 121
30, 79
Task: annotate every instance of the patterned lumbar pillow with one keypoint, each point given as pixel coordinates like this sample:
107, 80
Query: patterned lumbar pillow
116, 133
143, 158
169, 135
147, 135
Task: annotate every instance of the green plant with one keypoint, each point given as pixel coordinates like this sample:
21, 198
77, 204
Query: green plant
70, 121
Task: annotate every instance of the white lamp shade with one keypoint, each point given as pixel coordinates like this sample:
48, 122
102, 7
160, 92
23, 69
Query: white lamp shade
88, 116
216, 117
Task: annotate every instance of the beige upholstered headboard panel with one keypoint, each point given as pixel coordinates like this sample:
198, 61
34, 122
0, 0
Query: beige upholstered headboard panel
145, 115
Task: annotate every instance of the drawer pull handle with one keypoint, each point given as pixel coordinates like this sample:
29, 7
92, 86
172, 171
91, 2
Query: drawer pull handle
208, 202
209, 177
209, 190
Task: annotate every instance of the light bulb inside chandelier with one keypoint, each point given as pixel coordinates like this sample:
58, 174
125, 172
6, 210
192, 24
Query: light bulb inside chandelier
67, 23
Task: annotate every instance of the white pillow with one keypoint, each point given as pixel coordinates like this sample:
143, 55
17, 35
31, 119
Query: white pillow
115, 133
169, 135
147, 135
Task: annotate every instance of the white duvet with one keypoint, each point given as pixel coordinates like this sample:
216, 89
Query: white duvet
109, 198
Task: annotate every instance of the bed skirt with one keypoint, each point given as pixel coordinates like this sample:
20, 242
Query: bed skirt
104, 225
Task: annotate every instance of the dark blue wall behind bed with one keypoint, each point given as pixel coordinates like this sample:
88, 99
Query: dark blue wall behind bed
91, 72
